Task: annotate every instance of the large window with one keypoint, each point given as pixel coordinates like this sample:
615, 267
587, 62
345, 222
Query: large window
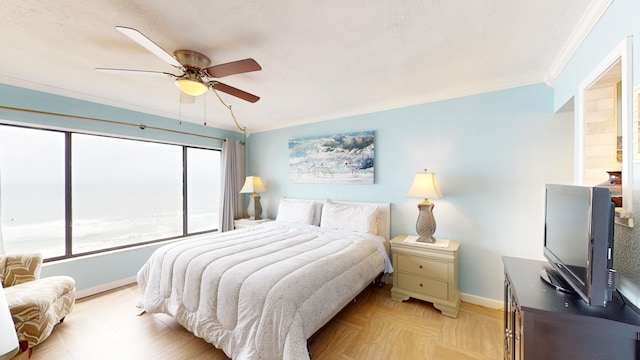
121, 192
124, 192
203, 177
32, 196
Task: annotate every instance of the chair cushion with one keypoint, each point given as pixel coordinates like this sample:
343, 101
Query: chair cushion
37, 306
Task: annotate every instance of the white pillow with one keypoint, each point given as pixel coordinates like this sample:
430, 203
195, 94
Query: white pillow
349, 217
317, 208
295, 211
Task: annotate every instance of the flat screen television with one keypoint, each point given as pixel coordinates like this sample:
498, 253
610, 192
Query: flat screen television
578, 241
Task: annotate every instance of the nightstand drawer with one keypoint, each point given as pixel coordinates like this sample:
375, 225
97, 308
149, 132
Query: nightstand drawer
422, 285
423, 267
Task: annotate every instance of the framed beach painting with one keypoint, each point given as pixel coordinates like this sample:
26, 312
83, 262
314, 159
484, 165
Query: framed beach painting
342, 158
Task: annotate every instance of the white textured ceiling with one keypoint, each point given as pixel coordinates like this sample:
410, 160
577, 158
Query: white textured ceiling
320, 59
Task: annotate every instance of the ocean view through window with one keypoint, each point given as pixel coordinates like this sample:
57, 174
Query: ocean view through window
203, 177
122, 192
32, 190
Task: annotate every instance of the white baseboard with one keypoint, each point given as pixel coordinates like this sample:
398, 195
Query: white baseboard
477, 300
105, 287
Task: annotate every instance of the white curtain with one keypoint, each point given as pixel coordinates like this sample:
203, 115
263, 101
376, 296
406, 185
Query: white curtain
232, 177
8, 337
1, 241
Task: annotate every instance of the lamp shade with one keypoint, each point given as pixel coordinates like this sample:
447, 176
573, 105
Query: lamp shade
252, 184
425, 186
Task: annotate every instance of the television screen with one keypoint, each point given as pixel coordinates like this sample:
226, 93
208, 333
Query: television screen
567, 229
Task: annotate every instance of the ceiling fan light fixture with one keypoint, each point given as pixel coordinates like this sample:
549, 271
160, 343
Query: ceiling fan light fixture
192, 87
196, 72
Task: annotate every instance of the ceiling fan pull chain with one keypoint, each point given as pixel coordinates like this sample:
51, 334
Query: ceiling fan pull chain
180, 112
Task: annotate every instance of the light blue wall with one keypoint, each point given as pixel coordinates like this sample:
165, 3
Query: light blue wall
15, 97
98, 270
492, 153
621, 19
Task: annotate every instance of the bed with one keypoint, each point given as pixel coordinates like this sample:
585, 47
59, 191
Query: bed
260, 292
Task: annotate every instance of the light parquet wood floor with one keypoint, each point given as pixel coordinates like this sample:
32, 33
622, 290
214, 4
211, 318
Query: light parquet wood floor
105, 326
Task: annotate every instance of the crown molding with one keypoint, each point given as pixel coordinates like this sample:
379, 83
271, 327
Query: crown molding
452, 93
589, 19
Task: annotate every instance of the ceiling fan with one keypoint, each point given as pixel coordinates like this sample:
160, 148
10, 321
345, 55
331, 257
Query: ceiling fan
197, 76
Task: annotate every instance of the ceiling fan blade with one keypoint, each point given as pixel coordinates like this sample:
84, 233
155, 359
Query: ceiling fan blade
140, 72
235, 67
235, 92
145, 42
187, 99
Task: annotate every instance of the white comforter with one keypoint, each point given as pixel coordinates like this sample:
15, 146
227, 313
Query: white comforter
260, 292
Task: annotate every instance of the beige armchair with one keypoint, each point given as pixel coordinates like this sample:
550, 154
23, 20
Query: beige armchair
36, 304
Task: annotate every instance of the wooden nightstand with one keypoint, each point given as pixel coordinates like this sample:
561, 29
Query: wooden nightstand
242, 223
426, 272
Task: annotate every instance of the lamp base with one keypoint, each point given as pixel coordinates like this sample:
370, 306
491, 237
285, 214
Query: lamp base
255, 209
426, 239
426, 224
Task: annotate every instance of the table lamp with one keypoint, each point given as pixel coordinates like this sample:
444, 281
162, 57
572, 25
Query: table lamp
425, 186
253, 184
